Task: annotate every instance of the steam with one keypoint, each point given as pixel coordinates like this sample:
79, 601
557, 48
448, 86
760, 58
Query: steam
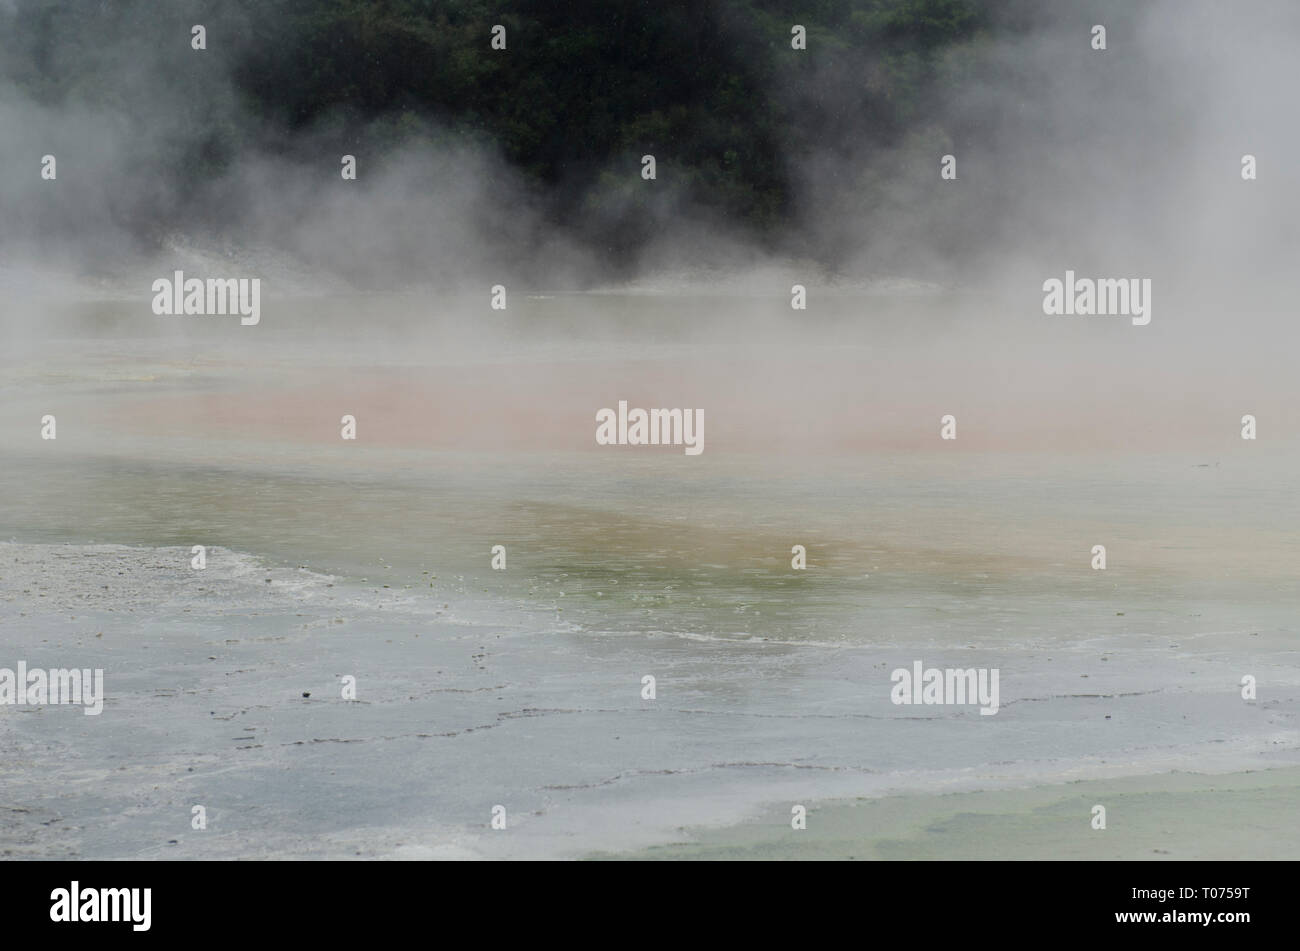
1120, 163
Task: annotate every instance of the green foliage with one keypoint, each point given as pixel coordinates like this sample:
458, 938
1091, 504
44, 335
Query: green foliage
712, 88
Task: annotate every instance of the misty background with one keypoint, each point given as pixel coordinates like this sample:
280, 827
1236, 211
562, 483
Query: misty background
475, 426
775, 166
525, 163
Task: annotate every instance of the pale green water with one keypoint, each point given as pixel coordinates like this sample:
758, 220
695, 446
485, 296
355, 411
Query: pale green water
970, 546
946, 556
622, 561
